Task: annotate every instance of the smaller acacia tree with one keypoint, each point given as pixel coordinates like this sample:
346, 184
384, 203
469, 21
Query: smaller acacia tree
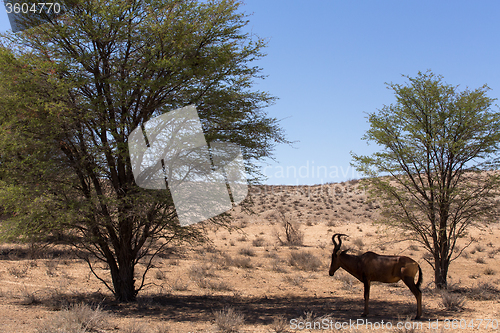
436, 144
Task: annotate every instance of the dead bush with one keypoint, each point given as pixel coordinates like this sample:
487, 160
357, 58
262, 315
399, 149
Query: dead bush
78, 318
228, 320
242, 262
293, 236
246, 251
452, 302
483, 291
259, 241
279, 324
305, 260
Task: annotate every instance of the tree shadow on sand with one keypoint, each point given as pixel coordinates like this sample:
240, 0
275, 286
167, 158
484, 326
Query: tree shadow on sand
257, 310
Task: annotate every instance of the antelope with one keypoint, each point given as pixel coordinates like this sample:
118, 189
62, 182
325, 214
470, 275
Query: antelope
373, 267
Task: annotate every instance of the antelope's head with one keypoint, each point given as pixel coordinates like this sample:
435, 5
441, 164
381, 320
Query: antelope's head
336, 254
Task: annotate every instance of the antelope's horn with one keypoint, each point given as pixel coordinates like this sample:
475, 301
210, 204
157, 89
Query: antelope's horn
337, 246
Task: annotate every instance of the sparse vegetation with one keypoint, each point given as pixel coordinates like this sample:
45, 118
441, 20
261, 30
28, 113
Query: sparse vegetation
246, 251
293, 236
279, 324
259, 241
78, 318
452, 302
228, 320
18, 271
304, 260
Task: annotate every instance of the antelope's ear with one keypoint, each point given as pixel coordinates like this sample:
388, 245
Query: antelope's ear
344, 252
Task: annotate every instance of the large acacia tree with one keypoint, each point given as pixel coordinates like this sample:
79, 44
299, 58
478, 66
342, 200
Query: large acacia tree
73, 89
436, 143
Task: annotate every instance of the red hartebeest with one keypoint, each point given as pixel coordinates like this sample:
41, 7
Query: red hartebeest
373, 267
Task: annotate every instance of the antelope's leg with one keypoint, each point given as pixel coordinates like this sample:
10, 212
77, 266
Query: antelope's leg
367, 297
409, 281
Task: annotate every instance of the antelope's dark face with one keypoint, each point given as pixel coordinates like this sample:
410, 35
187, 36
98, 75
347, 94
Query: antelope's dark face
336, 254
335, 263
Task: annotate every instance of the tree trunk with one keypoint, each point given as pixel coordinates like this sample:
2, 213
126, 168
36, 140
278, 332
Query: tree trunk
124, 282
441, 273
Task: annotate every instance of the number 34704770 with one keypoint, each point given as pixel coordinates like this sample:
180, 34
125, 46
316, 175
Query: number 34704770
35, 8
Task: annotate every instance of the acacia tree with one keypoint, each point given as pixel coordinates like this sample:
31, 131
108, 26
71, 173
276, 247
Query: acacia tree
73, 89
436, 142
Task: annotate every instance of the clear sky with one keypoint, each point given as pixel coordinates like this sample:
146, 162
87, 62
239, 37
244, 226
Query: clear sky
328, 61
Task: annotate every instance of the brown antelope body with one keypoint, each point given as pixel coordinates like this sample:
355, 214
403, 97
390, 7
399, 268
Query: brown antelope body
373, 267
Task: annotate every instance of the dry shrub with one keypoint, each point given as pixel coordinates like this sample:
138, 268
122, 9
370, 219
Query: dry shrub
242, 262
304, 260
179, 284
219, 285
452, 302
293, 236
295, 280
228, 320
78, 318
483, 291
259, 241
200, 271
279, 324
246, 251
277, 267
359, 243
28, 297
346, 279
51, 267
18, 271
136, 328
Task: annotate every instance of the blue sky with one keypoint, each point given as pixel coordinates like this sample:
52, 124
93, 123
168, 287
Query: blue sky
328, 61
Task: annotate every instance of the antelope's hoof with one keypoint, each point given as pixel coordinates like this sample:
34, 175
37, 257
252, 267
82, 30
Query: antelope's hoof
417, 317
364, 314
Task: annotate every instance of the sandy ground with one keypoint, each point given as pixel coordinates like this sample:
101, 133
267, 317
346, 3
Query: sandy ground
250, 272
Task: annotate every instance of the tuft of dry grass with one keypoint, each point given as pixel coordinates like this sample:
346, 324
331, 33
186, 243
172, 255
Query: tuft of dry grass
346, 279
259, 241
483, 291
228, 320
78, 318
277, 266
247, 251
51, 267
359, 243
295, 280
305, 260
279, 324
452, 302
18, 271
136, 328
242, 262
28, 297
179, 284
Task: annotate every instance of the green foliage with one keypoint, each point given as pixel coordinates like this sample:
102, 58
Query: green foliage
435, 141
72, 90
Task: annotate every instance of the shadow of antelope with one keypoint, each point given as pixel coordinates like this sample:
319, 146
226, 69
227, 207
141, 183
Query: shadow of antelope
373, 267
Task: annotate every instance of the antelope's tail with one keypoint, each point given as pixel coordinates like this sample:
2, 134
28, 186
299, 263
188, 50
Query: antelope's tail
419, 282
